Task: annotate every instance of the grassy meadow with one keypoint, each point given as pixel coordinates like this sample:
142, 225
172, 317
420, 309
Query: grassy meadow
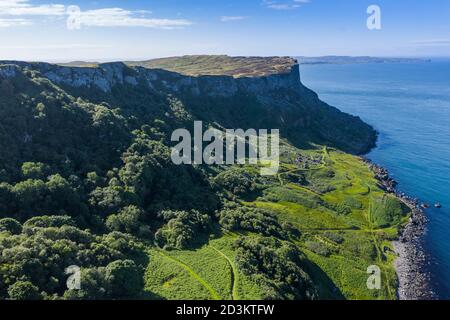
333, 200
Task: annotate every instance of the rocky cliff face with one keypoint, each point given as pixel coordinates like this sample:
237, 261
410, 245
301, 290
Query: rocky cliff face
281, 99
108, 75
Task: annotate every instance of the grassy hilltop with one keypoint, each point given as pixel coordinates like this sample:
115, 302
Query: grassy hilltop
210, 65
86, 179
221, 65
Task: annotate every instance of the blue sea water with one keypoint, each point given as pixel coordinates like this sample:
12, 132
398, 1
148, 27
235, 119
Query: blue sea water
409, 104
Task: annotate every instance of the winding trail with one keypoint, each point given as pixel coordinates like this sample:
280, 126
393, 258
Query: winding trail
213, 292
234, 274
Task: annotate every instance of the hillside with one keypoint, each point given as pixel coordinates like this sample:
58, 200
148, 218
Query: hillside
86, 179
237, 67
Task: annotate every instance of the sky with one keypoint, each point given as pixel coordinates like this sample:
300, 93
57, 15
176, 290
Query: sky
106, 30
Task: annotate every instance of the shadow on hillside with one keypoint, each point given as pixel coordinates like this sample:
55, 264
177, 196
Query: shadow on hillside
147, 295
326, 287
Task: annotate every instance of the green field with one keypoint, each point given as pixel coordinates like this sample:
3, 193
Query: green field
208, 272
336, 234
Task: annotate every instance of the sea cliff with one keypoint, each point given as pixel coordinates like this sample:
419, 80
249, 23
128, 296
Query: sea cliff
278, 97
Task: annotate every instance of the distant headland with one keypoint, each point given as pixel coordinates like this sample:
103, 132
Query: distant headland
356, 60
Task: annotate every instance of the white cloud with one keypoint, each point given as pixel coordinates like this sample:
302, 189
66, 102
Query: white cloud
282, 6
6, 23
106, 17
232, 18
285, 5
23, 7
58, 46
117, 17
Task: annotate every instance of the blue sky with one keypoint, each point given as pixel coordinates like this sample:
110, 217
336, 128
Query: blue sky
127, 29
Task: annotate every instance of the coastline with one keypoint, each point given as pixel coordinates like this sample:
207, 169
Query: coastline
414, 280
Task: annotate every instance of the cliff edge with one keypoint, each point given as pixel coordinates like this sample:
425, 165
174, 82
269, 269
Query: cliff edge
241, 92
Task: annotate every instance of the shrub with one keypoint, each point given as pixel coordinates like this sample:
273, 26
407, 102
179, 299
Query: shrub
318, 248
276, 264
335, 237
128, 220
124, 278
238, 181
181, 229
10, 225
23, 290
353, 203
250, 219
34, 170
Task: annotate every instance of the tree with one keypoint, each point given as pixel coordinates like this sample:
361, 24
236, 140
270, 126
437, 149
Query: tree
7, 199
275, 264
10, 225
34, 170
24, 290
128, 220
49, 222
238, 181
250, 219
111, 199
124, 278
93, 285
30, 195
181, 229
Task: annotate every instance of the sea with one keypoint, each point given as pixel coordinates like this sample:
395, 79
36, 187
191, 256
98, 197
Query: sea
409, 105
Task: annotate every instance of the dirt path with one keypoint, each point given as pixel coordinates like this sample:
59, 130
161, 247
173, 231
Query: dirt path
234, 274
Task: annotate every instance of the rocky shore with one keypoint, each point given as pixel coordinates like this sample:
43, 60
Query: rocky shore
412, 261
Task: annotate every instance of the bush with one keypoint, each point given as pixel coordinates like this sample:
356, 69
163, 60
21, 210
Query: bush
238, 181
353, 203
93, 286
124, 278
49, 221
341, 209
23, 290
318, 248
34, 170
10, 225
181, 229
335, 237
128, 220
250, 219
275, 264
